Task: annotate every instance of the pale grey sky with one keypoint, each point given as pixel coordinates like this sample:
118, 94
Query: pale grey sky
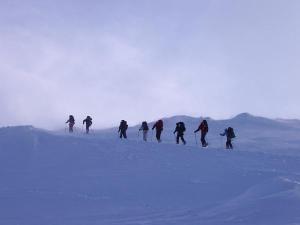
142, 59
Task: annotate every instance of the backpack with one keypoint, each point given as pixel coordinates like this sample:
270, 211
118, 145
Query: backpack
204, 127
182, 126
124, 125
145, 126
231, 133
71, 119
89, 120
159, 125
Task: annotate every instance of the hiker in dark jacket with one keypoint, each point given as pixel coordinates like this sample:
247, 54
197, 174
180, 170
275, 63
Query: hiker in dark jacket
122, 129
159, 126
88, 122
71, 122
229, 133
180, 129
145, 130
203, 127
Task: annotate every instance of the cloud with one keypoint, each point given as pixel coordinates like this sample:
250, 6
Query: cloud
146, 61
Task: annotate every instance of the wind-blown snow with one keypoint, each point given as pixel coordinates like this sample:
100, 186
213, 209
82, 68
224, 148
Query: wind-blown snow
53, 178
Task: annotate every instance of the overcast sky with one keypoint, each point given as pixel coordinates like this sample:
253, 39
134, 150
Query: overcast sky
139, 59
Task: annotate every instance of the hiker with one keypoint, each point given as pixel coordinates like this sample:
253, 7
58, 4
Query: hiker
203, 127
123, 128
180, 129
145, 129
159, 125
88, 122
229, 133
71, 122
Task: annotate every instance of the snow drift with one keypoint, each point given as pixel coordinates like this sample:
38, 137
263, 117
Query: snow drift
53, 178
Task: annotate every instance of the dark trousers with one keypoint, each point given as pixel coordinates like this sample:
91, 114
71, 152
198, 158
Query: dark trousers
71, 127
158, 135
229, 144
87, 128
181, 137
203, 141
123, 134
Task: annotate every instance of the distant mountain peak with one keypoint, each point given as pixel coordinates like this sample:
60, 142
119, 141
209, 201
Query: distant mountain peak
244, 116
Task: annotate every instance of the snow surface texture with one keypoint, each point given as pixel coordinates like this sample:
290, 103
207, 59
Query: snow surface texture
54, 178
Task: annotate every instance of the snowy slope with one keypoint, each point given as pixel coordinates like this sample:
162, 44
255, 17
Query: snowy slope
253, 133
50, 178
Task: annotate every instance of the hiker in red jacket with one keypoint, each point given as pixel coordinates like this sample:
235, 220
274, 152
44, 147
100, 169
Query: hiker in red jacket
204, 130
159, 125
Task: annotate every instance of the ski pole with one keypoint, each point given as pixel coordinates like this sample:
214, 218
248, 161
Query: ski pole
221, 141
151, 135
196, 139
